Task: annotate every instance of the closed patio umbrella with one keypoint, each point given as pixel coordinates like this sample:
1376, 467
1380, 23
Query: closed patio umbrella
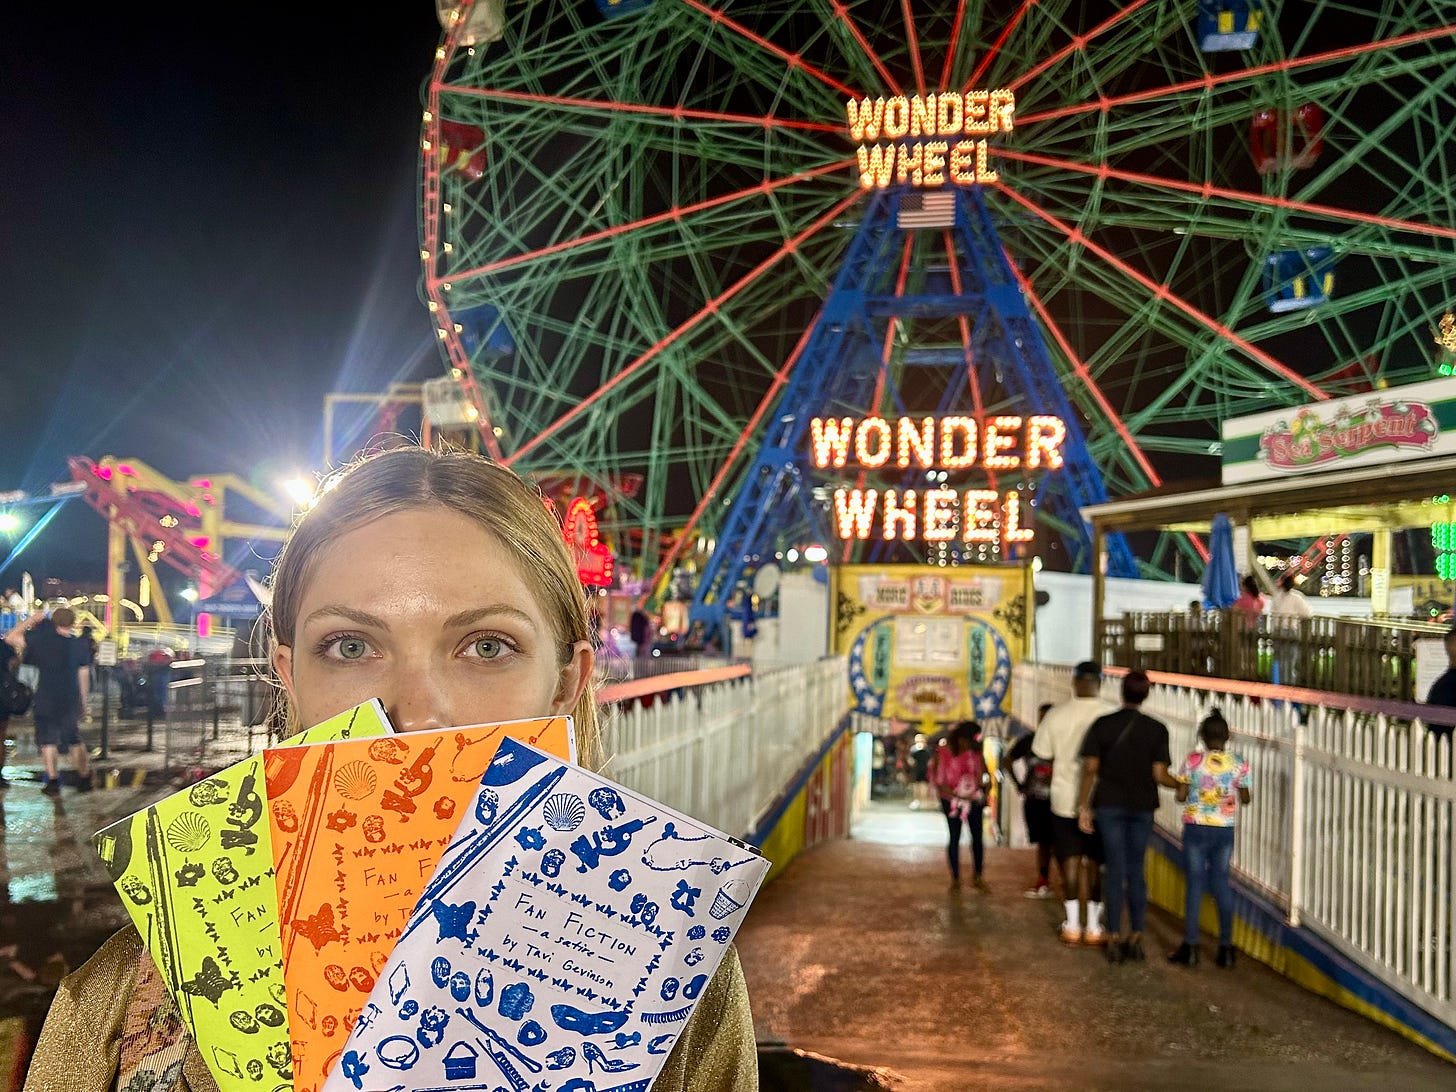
1221, 576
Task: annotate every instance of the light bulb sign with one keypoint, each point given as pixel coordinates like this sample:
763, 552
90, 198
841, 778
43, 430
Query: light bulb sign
929, 140
936, 513
593, 557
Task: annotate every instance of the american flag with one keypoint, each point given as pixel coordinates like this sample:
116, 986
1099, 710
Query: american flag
926, 209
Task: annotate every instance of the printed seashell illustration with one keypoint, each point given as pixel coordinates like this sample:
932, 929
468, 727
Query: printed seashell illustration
564, 812
356, 781
188, 833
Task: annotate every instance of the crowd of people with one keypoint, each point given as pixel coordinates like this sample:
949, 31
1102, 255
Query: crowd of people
1089, 778
1106, 769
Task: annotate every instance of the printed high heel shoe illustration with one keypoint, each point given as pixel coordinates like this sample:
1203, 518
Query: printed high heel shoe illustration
596, 1057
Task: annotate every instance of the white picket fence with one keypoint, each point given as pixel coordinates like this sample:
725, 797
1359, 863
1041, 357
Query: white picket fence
725, 753
1350, 829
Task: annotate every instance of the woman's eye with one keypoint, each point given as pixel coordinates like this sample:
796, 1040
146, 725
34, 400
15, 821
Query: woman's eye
487, 648
352, 648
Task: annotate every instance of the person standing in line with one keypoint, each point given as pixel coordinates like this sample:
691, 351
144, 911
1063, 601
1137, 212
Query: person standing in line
1058, 740
53, 648
1443, 690
1036, 803
1124, 760
958, 772
1213, 783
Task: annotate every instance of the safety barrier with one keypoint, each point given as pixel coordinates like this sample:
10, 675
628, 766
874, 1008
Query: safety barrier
725, 753
1349, 835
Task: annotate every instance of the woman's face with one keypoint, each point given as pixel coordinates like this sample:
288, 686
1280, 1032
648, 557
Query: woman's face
428, 612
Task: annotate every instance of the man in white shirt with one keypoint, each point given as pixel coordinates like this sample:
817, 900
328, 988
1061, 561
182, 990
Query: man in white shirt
1059, 738
1287, 600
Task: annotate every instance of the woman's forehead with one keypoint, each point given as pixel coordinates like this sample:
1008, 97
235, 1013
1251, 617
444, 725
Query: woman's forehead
419, 544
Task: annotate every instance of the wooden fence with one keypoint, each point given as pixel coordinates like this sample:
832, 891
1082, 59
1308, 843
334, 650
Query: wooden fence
1339, 655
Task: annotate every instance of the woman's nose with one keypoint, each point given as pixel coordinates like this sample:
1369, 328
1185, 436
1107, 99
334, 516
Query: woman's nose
418, 701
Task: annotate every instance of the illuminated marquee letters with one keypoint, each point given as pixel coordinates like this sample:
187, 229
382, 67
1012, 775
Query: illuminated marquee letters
939, 514
902, 120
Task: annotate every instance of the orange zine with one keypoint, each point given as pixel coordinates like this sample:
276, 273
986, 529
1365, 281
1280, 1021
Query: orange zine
358, 828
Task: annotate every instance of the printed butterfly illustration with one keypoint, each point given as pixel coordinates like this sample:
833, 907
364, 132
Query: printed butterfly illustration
318, 928
454, 921
209, 982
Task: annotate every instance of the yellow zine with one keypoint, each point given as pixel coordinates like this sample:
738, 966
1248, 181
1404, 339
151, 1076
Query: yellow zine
195, 872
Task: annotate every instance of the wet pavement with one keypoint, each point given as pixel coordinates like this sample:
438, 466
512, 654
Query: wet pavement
866, 970
57, 905
862, 952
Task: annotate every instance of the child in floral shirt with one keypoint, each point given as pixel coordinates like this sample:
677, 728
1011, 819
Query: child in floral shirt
1215, 782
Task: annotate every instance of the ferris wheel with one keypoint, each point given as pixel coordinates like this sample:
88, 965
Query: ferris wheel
632, 214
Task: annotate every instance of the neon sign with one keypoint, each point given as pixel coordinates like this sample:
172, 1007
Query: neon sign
937, 514
901, 120
593, 559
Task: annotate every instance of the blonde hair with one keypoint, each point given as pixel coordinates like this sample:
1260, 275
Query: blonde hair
512, 511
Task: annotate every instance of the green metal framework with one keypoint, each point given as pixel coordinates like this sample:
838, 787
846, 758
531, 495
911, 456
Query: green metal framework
668, 195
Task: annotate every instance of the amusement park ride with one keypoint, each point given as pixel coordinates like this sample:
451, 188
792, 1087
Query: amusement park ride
673, 238
182, 524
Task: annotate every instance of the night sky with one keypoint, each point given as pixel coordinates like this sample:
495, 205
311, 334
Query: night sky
204, 232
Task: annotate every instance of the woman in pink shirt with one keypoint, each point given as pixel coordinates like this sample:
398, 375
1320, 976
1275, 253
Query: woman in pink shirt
958, 772
1250, 603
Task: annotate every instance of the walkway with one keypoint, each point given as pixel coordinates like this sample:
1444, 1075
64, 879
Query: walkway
860, 951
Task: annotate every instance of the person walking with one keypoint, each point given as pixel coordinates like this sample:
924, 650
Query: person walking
919, 760
1058, 740
1124, 760
1213, 783
8, 657
958, 772
52, 647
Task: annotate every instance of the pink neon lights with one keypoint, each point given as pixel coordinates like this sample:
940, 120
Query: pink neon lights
990, 54
841, 11
913, 42
765, 187
613, 106
1207, 190
792, 59
709, 308
1079, 42
1162, 292
780, 378
1208, 80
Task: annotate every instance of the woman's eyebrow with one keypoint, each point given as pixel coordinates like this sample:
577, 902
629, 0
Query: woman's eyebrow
352, 614
476, 614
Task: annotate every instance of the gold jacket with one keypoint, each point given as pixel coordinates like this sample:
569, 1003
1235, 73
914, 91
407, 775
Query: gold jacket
79, 1046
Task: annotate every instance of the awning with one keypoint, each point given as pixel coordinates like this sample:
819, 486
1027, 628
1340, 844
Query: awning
1372, 498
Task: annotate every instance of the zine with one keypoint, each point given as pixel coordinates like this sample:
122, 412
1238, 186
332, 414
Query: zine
561, 941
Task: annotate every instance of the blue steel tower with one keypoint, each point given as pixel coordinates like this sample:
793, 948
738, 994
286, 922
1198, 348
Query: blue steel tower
879, 309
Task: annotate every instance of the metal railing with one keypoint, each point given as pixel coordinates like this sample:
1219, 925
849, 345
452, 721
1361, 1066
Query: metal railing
1350, 829
724, 753
1372, 658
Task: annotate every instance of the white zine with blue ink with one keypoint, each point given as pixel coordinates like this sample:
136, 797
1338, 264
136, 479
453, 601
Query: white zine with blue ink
561, 942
